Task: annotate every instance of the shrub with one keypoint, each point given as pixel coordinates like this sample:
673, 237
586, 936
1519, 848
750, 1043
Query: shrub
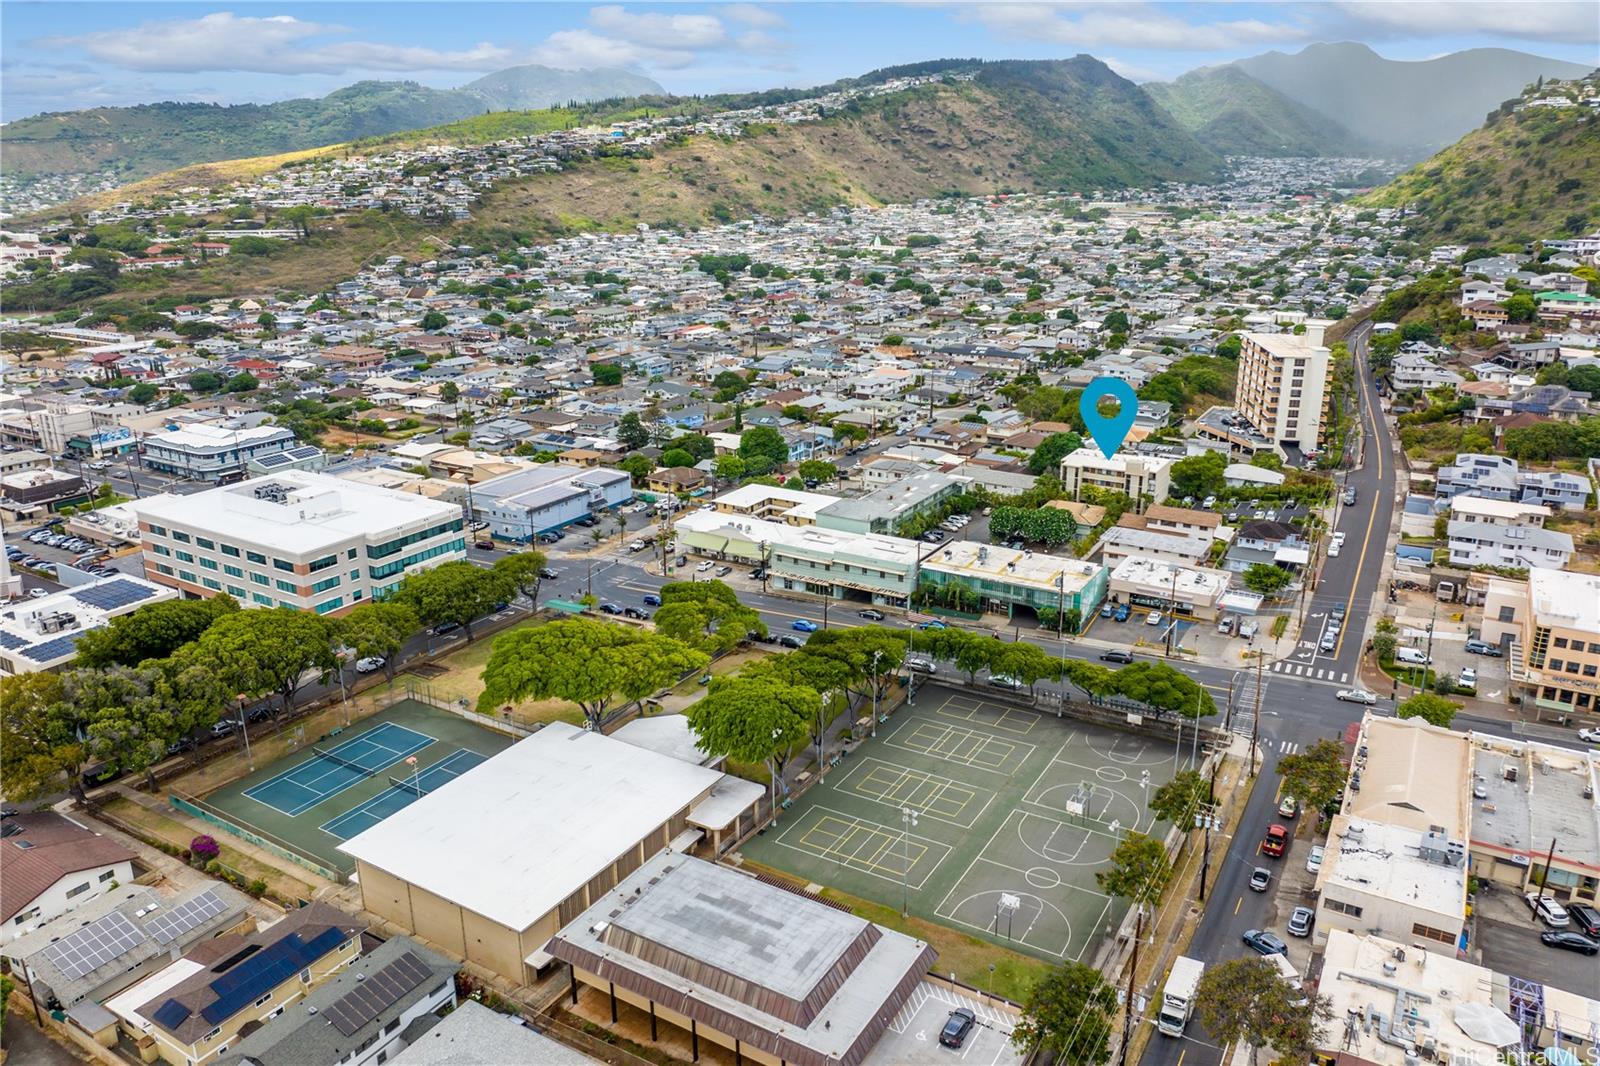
204, 847
256, 888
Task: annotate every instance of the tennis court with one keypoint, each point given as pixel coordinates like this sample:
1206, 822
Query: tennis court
401, 793
332, 787
332, 770
1015, 812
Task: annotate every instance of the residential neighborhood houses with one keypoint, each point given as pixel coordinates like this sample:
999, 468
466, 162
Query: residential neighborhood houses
637, 633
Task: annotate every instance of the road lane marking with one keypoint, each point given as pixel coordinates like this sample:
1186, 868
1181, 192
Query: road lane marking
1368, 407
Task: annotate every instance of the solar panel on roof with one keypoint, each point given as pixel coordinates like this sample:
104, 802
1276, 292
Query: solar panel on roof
272, 460
110, 595
10, 641
170, 1015
302, 452
168, 926
51, 650
266, 970
377, 993
96, 944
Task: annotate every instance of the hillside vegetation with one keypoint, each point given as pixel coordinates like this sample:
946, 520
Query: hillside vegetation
1233, 113
136, 142
1069, 124
1523, 176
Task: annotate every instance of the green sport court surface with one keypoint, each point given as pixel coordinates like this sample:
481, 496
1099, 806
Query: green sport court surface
313, 799
1016, 810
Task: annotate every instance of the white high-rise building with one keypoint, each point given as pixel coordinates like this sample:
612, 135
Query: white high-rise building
1283, 385
297, 539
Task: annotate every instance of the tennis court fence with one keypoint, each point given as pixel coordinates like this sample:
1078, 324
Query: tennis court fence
419, 690
198, 808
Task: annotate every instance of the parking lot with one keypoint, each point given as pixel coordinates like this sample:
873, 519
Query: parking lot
912, 1039
1508, 943
43, 555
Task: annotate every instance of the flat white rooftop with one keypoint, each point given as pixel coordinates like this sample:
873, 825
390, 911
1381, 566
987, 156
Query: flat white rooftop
811, 539
1192, 583
298, 511
989, 562
211, 435
1565, 599
579, 800
1383, 860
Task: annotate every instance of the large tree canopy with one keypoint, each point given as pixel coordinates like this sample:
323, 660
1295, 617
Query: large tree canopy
453, 592
584, 661
706, 615
154, 631
755, 719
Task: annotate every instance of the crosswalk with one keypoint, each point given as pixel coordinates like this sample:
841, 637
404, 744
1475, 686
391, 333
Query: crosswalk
1287, 747
1315, 672
1245, 701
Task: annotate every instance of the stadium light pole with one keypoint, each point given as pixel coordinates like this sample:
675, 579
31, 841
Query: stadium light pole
908, 820
875, 657
244, 731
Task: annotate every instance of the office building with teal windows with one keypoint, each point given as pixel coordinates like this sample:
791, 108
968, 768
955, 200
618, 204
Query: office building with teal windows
296, 539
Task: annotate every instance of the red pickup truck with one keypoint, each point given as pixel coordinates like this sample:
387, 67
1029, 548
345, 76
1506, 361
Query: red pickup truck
1276, 842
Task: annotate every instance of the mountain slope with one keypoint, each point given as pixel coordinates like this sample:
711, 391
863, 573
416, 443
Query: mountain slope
1233, 113
135, 142
1069, 124
1522, 176
1407, 108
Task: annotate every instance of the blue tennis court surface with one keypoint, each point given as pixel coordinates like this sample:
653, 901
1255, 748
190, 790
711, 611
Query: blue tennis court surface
398, 797
302, 787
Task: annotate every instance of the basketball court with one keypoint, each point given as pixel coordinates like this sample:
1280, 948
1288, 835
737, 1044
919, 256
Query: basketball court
1015, 810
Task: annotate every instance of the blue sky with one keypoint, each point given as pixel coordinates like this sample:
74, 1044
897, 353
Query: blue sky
62, 55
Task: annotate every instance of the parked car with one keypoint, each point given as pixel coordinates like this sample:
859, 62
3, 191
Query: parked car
1288, 808
871, 615
369, 664
1123, 613
1559, 938
724, 571
1468, 678
1349, 497
1153, 618
611, 608
1107, 609
1260, 878
1276, 842
1412, 657
788, 640
1585, 918
1480, 647
634, 612
1300, 920
1116, 657
758, 574
1314, 860
1265, 943
38, 594
1356, 695
1548, 910
1010, 684
651, 600
804, 625
957, 1026
703, 567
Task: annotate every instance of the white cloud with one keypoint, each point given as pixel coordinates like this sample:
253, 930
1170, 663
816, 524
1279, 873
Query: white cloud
1549, 20
658, 31
576, 49
277, 44
1098, 25
751, 15
1132, 71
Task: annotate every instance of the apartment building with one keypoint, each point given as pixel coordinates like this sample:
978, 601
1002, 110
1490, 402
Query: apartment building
208, 452
1498, 477
1487, 532
1549, 622
1133, 475
296, 539
1283, 384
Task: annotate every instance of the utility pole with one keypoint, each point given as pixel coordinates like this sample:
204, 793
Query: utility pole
1255, 725
1206, 818
1133, 969
1433, 619
1172, 609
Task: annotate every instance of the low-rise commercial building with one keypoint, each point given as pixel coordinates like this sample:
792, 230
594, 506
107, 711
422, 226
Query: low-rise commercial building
540, 499
207, 451
42, 634
1549, 626
992, 578
771, 975
296, 539
1136, 476
33, 494
889, 509
1192, 591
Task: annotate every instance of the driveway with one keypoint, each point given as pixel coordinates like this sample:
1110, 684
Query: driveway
1508, 943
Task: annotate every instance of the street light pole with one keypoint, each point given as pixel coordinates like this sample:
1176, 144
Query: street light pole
908, 822
822, 735
244, 731
875, 657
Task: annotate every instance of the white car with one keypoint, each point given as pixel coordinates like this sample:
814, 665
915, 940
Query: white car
369, 664
1549, 911
1591, 735
1314, 860
1468, 678
1333, 550
703, 567
1357, 695
1153, 618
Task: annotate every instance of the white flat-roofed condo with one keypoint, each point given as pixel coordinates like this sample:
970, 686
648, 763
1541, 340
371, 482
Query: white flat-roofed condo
296, 539
207, 452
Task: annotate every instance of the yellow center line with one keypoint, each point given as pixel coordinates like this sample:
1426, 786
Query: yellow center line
1370, 409
1236, 906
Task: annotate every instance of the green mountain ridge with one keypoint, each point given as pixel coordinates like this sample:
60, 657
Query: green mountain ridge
1235, 114
136, 142
1521, 176
1407, 109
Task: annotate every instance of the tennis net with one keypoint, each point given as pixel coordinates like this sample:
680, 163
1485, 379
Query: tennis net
410, 786
331, 757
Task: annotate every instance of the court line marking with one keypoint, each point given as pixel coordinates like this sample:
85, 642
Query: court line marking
926, 843
872, 765
992, 931
974, 708
914, 726
366, 806
283, 778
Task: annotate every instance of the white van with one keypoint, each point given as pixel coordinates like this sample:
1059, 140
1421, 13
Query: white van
1411, 657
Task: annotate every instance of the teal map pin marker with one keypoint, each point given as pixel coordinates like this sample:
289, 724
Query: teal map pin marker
1108, 431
